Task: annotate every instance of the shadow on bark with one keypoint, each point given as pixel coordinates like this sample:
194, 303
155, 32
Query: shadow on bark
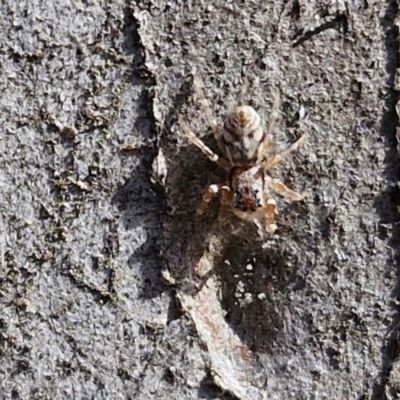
387, 204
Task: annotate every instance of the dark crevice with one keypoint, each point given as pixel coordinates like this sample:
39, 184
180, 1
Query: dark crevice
295, 10
388, 202
339, 22
139, 201
208, 391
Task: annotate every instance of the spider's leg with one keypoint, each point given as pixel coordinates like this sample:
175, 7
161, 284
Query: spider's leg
211, 191
206, 108
265, 147
200, 144
226, 202
279, 157
269, 220
284, 191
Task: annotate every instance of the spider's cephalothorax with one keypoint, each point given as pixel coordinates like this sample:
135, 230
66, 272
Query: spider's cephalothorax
246, 149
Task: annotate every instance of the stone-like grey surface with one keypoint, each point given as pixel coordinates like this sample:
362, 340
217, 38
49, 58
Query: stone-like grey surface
317, 305
83, 312
82, 309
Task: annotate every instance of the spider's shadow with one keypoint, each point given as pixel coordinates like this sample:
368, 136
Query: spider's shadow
254, 316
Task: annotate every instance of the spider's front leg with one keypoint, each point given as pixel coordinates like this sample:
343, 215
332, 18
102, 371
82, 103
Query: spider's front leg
268, 164
204, 149
206, 108
265, 146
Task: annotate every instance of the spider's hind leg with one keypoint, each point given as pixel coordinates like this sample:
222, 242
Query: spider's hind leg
225, 196
226, 202
269, 220
211, 191
284, 191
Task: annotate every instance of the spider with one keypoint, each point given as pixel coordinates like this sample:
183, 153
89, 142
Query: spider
246, 156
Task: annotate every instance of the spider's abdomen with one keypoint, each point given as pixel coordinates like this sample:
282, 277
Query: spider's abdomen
247, 199
242, 134
247, 185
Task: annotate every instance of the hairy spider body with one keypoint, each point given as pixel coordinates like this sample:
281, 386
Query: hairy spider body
246, 147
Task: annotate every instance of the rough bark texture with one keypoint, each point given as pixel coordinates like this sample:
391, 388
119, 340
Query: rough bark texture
90, 96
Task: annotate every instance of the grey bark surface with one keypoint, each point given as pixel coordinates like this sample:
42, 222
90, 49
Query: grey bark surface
90, 95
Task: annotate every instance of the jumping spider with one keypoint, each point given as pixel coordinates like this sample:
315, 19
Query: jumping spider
246, 149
